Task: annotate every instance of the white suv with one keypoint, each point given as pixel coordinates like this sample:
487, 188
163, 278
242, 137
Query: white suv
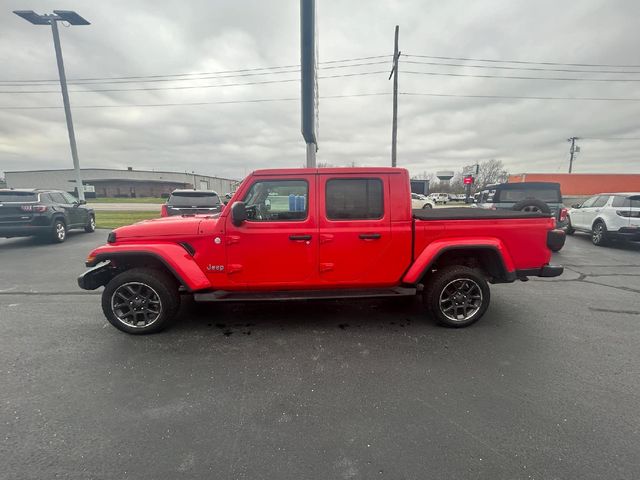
420, 201
439, 197
607, 216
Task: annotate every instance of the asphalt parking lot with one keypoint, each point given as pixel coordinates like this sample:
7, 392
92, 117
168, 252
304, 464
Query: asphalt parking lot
546, 385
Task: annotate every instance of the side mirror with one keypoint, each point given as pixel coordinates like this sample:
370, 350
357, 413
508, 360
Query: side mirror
82, 202
576, 205
238, 213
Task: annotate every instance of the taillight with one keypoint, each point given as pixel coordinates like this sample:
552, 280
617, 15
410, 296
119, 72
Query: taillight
33, 208
563, 214
163, 211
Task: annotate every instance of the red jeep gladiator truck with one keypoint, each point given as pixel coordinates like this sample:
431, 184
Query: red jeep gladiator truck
319, 233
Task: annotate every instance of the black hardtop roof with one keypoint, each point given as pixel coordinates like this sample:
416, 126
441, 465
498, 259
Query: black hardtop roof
520, 185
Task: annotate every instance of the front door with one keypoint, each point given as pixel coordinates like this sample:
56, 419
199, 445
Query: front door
77, 214
278, 245
355, 230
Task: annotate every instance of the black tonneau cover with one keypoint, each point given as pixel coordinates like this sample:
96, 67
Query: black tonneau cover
467, 213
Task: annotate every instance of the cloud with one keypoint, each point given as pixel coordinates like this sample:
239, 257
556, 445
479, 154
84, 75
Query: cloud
168, 37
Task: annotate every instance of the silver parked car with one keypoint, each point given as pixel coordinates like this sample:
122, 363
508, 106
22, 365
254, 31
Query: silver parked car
607, 216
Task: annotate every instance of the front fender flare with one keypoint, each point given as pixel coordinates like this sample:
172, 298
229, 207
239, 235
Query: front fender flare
435, 249
173, 256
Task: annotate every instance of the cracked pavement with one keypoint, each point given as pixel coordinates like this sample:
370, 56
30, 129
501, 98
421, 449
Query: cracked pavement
546, 385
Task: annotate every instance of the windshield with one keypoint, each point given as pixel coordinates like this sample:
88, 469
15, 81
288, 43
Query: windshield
10, 196
194, 199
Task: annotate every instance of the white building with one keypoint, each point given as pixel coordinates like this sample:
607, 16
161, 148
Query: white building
107, 182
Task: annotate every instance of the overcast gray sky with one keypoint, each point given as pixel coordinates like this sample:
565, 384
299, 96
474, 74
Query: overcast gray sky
163, 37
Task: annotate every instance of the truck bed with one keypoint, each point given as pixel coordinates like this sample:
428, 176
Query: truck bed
466, 213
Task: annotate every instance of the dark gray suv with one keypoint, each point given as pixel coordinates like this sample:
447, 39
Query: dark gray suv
49, 214
544, 197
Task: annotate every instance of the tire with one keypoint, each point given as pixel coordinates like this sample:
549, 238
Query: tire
599, 234
58, 231
91, 226
426, 205
569, 230
153, 292
532, 205
459, 283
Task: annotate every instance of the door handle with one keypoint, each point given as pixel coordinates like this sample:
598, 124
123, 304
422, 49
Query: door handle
370, 236
299, 238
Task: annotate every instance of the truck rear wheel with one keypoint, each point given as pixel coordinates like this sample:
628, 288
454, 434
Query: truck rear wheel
141, 300
457, 296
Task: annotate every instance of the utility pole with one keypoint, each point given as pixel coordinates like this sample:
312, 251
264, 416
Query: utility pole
309, 80
394, 74
52, 19
573, 150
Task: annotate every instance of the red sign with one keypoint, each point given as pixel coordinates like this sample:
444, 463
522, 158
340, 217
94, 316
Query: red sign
468, 180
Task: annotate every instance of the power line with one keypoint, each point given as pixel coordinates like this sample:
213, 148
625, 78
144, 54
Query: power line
517, 97
524, 62
190, 104
189, 87
254, 69
532, 69
564, 79
267, 100
157, 80
613, 139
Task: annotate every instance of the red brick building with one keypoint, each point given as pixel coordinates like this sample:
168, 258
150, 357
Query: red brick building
584, 184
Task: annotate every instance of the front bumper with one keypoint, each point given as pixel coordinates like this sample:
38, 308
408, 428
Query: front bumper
96, 276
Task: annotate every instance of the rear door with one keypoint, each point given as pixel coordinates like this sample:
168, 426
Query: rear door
627, 209
355, 230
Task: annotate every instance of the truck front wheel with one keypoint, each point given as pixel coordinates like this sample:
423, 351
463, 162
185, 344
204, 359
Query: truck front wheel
457, 296
141, 300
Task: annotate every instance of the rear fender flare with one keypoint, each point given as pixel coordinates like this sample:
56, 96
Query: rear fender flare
172, 256
436, 249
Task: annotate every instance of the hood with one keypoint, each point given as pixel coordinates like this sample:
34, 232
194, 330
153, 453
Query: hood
162, 227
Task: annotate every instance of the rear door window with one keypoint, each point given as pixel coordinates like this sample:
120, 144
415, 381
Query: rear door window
354, 199
57, 198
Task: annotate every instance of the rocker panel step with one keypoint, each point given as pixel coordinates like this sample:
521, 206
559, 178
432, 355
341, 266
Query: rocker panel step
226, 296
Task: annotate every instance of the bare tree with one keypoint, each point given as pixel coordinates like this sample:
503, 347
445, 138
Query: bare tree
490, 172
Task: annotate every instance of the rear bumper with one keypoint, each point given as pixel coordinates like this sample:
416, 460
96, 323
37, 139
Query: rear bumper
631, 234
546, 271
23, 230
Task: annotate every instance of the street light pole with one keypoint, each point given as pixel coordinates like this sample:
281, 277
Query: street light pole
74, 19
67, 109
